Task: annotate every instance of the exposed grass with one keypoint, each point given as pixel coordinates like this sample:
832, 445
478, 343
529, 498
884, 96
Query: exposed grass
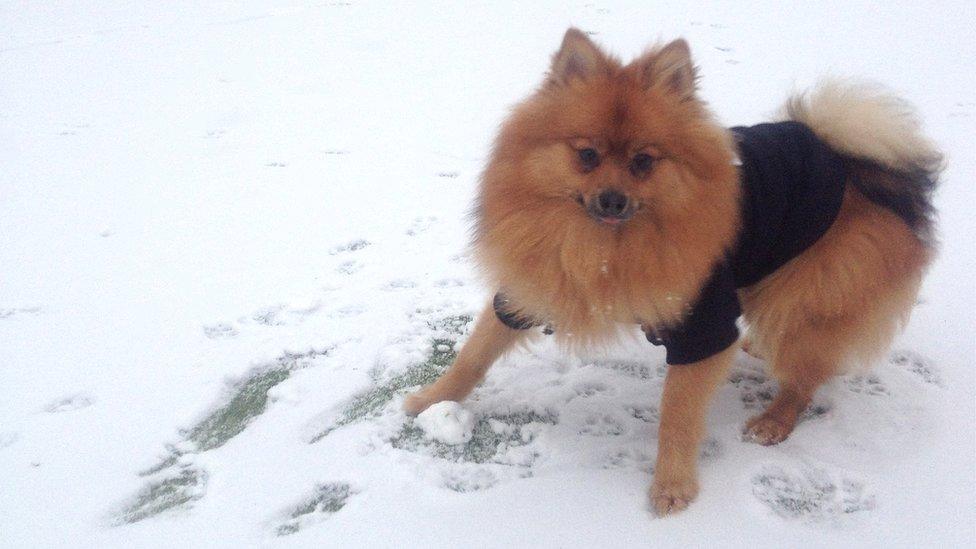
161, 495
249, 399
490, 435
374, 399
812, 495
170, 460
328, 499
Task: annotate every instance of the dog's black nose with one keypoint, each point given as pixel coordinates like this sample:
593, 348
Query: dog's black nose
611, 204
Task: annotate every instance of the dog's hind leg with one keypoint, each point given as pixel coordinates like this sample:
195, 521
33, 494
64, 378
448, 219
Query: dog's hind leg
801, 367
488, 341
836, 306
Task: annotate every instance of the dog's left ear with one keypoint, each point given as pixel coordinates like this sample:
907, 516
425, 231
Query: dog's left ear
670, 68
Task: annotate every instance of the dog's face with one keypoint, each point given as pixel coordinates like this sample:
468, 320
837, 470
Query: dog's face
606, 172
622, 143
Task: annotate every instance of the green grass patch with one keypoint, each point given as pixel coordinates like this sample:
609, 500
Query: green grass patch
164, 494
328, 499
490, 435
441, 355
249, 400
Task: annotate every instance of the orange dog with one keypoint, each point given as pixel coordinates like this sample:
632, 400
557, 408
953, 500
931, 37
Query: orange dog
612, 197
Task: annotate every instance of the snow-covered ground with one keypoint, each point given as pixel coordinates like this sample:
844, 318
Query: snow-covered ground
232, 235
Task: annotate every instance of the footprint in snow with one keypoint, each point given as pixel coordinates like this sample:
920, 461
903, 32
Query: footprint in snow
7, 313
270, 316
590, 389
472, 479
756, 389
219, 331
351, 246
349, 267
918, 365
8, 438
811, 494
633, 368
962, 109
647, 414
69, 403
348, 311
815, 410
602, 426
280, 315
421, 225
711, 448
400, 284
73, 129
867, 384
630, 458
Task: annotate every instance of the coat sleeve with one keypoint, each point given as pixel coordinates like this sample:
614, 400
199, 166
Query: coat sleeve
710, 326
511, 319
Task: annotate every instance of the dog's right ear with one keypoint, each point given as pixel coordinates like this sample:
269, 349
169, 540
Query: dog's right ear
578, 57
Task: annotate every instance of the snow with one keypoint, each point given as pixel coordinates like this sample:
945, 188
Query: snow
233, 235
450, 423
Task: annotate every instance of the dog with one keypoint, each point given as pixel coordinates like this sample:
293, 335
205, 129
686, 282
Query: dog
612, 197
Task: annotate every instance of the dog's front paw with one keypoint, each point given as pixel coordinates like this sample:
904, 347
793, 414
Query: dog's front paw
669, 496
419, 401
766, 430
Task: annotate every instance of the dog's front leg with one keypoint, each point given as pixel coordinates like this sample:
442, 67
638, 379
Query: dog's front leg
489, 340
688, 390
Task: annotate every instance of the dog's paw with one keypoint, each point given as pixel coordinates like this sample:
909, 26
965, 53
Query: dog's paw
419, 401
766, 430
672, 495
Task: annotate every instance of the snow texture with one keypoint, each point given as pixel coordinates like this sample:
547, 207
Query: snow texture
447, 422
234, 235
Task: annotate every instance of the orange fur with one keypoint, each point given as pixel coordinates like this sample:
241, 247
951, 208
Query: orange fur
834, 308
535, 241
838, 303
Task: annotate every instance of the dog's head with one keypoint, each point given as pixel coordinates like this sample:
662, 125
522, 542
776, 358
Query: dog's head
620, 142
605, 163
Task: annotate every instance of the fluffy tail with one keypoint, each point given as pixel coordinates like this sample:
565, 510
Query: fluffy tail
895, 164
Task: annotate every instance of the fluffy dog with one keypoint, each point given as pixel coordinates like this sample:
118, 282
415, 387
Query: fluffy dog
612, 197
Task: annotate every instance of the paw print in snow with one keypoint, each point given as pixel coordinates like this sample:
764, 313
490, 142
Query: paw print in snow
421, 225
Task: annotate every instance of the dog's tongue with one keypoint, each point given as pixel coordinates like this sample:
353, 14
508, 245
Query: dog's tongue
610, 220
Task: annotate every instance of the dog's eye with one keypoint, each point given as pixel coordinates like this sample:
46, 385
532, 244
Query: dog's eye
589, 158
641, 163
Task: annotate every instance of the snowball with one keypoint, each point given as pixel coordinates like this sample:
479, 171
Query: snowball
446, 422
